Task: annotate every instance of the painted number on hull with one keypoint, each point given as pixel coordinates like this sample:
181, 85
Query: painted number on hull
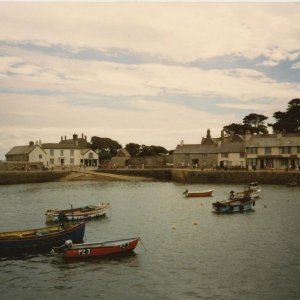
84, 251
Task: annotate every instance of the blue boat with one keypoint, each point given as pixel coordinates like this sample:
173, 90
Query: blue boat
231, 206
39, 240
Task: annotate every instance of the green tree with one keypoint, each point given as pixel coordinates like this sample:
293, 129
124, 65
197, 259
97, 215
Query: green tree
105, 147
235, 128
152, 150
133, 149
288, 121
255, 123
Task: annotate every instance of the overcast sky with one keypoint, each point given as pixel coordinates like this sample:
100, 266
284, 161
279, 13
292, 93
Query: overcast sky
148, 73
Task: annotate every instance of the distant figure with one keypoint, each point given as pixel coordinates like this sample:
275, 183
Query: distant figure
231, 195
247, 196
185, 192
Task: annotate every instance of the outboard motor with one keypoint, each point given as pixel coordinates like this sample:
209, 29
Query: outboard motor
69, 243
62, 217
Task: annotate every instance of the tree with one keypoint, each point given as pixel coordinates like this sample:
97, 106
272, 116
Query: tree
152, 150
288, 121
252, 122
105, 147
255, 123
133, 149
235, 128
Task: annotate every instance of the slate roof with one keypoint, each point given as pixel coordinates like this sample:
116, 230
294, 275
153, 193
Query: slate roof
81, 142
19, 150
123, 153
196, 148
60, 146
83, 151
232, 147
273, 140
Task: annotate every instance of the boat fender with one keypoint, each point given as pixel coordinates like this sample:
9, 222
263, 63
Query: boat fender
69, 243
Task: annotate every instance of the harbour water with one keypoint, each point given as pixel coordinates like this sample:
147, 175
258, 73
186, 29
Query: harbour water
191, 253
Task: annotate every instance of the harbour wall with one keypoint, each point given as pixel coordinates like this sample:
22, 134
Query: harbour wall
18, 177
213, 176
164, 174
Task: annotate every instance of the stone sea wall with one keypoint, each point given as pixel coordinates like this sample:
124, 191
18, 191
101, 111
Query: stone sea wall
238, 177
18, 177
199, 176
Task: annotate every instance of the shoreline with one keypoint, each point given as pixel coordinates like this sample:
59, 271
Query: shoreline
163, 174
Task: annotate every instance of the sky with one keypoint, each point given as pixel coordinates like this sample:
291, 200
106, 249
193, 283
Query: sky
145, 73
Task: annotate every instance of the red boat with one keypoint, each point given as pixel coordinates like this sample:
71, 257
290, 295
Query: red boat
207, 193
86, 250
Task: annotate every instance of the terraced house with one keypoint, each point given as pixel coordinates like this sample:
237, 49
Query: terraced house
279, 151
273, 151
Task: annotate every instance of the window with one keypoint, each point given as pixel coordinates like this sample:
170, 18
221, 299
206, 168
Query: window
252, 162
91, 155
72, 152
285, 150
204, 155
52, 152
251, 150
40, 156
71, 161
284, 162
51, 161
61, 152
268, 150
224, 155
242, 155
298, 149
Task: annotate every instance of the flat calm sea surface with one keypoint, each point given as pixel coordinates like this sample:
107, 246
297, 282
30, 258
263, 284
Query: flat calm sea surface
191, 253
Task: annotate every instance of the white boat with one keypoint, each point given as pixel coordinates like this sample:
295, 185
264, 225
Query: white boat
79, 213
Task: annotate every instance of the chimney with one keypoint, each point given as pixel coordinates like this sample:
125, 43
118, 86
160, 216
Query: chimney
181, 143
61, 138
75, 137
222, 135
31, 143
85, 137
82, 135
247, 135
208, 134
65, 137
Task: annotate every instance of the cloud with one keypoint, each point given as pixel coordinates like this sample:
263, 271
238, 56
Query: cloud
112, 69
180, 31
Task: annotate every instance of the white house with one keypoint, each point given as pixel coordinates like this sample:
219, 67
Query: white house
29, 153
71, 152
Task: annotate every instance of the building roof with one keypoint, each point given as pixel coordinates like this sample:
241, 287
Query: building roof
60, 146
232, 147
196, 148
273, 140
81, 142
122, 153
19, 150
84, 151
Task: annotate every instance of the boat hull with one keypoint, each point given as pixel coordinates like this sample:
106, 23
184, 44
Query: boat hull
199, 194
233, 206
87, 250
77, 214
19, 242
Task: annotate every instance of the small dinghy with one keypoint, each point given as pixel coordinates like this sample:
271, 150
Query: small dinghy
207, 193
99, 249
